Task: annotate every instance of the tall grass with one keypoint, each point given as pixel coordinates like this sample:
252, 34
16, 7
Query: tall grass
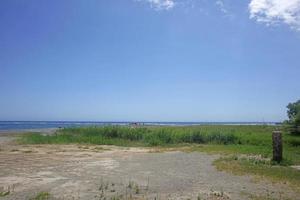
223, 139
153, 136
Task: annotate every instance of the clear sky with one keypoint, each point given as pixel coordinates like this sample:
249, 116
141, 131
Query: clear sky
149, 60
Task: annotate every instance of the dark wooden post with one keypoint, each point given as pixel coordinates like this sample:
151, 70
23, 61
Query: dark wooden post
277, 146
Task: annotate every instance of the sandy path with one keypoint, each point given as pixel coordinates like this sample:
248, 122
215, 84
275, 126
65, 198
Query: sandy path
94, 172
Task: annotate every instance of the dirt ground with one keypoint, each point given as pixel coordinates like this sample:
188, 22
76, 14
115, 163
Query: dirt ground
109, 172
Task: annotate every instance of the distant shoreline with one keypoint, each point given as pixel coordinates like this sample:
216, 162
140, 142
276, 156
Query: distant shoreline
20, 131
52, 126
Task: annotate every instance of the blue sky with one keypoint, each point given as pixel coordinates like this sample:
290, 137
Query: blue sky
149, 60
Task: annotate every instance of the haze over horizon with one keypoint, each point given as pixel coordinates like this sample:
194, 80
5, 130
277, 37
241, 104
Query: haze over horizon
149, 60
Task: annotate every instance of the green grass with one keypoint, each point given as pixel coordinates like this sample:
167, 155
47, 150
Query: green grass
41, 196
223, 139
291, 154
261, 169
154, 136
4, 193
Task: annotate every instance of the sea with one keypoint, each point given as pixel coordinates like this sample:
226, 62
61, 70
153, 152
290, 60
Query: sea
43, 125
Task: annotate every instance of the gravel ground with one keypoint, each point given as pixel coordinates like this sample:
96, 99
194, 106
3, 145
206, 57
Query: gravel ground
109, 172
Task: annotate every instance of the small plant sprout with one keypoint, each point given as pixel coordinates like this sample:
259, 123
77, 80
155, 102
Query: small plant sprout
137, 189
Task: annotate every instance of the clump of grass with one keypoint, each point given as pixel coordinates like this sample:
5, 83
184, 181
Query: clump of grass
4, 193
117, 135
116, 198
130, 184
137, 189
261, 169
41, 196
199, 197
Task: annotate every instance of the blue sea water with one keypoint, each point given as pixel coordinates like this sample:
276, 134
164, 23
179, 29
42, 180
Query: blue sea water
31, 125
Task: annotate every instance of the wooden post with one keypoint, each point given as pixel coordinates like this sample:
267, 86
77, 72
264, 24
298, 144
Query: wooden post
277, 146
